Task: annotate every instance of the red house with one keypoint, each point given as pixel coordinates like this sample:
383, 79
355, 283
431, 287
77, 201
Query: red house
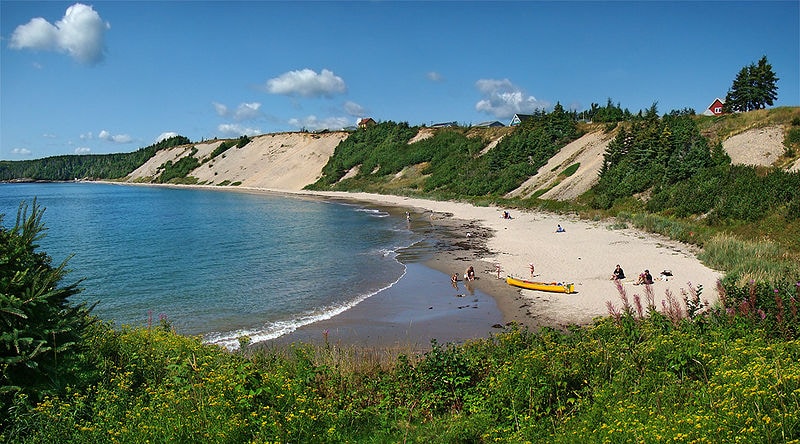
365, 122
715, 109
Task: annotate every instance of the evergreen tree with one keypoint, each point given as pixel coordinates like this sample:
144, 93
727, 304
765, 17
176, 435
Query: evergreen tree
754, 87
40, 331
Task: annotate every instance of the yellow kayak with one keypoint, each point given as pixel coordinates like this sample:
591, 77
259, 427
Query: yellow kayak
556, 287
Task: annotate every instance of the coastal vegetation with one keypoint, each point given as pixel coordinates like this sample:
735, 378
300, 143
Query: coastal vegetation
225, 145
98, 166
686, 372
449, 165
178, 172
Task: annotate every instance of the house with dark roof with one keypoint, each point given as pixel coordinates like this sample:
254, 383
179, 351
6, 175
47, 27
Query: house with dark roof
715, 109
366, 122
444, 124
519, 118
491, 124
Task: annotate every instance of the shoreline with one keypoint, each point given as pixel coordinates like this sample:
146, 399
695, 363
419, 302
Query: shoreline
585, 254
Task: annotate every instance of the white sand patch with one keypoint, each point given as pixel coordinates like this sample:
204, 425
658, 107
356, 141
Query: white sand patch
587, 150
758, 146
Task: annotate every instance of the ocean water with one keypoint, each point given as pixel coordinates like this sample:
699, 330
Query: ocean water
220, 264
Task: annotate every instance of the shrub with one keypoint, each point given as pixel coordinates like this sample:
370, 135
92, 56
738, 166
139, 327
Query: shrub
40, 345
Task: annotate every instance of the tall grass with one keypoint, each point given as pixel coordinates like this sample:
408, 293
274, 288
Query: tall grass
680, 230
742, 260
745, 261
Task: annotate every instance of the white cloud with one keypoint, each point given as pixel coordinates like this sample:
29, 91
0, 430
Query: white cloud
245, 111
83, 150
21, 151
221, 109
87, 136
165, 135
81, 34
434, 76
503, 99
307, 83
312, 123
236, 130
118, 138
354, 109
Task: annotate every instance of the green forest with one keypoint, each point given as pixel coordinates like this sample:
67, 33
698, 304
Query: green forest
685, 372
96, 166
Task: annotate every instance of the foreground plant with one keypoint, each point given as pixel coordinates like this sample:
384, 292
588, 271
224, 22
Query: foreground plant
40, 349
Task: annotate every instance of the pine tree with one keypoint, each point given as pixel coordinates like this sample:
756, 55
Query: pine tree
39, 328
754, 87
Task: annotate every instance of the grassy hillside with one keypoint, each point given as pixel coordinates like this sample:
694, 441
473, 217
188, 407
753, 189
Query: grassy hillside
683, 372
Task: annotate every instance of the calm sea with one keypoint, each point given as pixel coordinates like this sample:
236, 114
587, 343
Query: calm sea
220, 264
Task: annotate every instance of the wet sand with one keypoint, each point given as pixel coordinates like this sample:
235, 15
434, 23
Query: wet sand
423, 305
420, 307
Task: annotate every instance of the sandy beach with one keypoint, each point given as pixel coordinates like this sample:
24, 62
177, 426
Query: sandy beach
584, 254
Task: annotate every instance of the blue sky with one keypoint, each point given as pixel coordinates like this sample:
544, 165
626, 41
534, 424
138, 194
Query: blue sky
106, 77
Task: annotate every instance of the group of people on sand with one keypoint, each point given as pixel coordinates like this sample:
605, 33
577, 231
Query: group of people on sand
469, 275
645, 278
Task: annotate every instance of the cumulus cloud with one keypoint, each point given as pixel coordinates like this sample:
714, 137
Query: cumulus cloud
80, 33
434, 76
313, 123
165, 135
236, 130
354, 109
220, 109
503, 99
245, 111
118, 138
21, 151
83, 150
307, 83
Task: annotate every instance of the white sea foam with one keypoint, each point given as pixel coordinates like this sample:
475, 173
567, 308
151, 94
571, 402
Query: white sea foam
230, 339
373, 212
